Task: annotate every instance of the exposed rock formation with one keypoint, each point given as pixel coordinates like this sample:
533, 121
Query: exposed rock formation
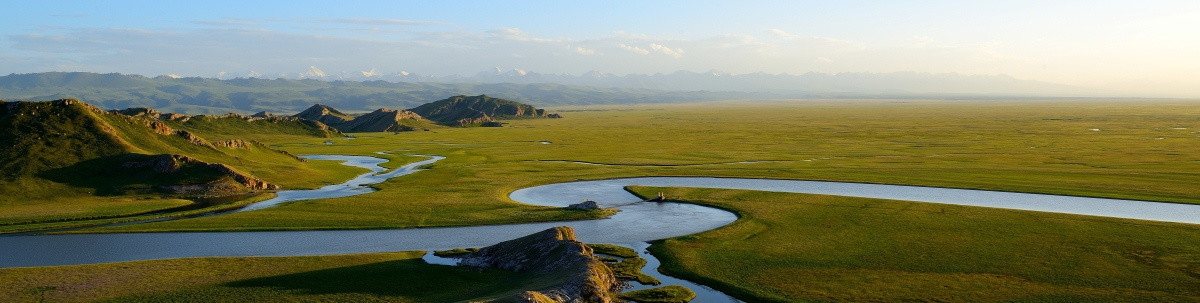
552, 252
235, 143
589, 204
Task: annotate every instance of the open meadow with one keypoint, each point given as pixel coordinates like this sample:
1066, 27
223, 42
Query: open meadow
1128, 149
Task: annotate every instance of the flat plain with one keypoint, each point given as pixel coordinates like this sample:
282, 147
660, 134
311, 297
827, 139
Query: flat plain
1128, 150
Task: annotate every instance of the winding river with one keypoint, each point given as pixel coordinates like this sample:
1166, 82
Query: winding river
636, 223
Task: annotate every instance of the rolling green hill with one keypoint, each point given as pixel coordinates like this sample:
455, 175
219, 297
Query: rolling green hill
384, 120
475, 110
65, 158
380, 120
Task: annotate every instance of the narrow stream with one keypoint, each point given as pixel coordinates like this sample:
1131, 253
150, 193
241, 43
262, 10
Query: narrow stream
356, 186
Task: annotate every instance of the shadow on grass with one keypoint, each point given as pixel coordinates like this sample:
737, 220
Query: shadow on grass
412, 279
109, 176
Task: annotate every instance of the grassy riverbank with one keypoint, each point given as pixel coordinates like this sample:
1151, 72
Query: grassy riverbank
379, 277
1132, 150
835, 248
48, 205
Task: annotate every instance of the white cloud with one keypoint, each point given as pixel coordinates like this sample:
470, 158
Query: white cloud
782, 34
667, 50
584, 51
515, 34
370, 21
370, 73
207, 50
634, 49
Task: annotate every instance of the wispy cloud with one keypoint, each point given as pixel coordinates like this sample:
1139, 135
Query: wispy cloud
666, 50
782, 34
584, 51
633, 49
224, 22
371, 21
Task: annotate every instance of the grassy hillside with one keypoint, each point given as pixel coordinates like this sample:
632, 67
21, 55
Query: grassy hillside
475, 110
32, 145
71, 160
229, 127
834, 248
387, 120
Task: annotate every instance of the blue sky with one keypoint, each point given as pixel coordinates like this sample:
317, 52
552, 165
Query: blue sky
1138, 47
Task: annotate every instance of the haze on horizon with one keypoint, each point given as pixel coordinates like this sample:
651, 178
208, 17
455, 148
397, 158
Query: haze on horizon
1130, 48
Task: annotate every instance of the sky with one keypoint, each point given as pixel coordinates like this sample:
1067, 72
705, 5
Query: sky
1145, 48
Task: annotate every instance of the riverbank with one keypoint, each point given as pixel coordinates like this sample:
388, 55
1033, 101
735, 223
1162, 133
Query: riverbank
858, 249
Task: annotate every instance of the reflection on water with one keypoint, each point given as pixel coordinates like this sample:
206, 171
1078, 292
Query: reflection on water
356, 186
636, 223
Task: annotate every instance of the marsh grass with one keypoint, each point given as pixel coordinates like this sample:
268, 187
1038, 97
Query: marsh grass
665, 294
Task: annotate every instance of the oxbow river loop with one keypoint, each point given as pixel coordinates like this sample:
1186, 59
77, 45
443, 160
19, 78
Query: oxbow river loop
636, 223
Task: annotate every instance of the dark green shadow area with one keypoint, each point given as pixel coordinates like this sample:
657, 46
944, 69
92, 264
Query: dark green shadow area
410, 280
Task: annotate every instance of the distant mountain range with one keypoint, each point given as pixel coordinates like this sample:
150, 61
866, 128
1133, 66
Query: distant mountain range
404, 90
480, 110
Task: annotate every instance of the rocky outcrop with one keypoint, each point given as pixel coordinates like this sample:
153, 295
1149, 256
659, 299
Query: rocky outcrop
161, 128
553, 252
244, 179
589, 204
138, 111
235, 143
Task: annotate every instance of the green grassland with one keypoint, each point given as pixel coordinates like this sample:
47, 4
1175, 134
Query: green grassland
834, 248
665, 294
228, 128
378, 277
831, 248
66, 164
1133, 150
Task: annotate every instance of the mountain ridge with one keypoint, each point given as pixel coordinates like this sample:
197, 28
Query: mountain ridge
194, 95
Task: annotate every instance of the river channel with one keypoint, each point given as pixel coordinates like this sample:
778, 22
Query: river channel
636, 223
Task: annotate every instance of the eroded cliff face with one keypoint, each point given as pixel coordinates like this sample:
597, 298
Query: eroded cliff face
552, 252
